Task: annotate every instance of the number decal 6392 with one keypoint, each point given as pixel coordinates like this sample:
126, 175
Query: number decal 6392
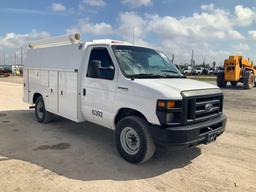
97, 113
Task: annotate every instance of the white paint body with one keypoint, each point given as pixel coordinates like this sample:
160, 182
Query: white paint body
59, 75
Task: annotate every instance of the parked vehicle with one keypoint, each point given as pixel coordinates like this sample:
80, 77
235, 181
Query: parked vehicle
5, 71
237, 69
199, 71
210, 71
187, 70
135, 91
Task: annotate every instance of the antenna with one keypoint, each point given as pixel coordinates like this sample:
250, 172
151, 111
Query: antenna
192, 59
173, 58
133, 32
56, 41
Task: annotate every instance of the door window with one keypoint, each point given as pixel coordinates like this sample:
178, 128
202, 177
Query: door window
100, 65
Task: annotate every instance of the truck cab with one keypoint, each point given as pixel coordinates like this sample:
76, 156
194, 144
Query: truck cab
134, 90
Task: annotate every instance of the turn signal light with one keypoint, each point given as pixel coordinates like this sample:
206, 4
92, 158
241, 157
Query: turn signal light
166, 104
170, 104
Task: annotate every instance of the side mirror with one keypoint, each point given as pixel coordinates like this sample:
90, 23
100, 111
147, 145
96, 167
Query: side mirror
97, 64
102, 72
109, 68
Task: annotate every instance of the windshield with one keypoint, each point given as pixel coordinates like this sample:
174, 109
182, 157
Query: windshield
139, 62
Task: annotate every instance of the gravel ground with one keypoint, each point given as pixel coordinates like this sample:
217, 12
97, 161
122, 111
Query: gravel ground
66, 156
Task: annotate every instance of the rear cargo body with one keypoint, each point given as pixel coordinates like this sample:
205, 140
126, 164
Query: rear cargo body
56, 78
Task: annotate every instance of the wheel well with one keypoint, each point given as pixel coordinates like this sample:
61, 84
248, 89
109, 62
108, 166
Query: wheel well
124, 112
36, 95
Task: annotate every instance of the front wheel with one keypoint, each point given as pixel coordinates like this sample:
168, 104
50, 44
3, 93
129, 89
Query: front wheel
249, 80
221, 79
42, 115
133, 140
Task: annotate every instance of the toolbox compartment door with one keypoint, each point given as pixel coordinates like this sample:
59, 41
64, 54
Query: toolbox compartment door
52, 105
68, 94
25, 85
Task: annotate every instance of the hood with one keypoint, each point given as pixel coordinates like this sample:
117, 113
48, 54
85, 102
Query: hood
169, 88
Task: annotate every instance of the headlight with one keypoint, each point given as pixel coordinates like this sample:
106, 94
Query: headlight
169, 117
169, 111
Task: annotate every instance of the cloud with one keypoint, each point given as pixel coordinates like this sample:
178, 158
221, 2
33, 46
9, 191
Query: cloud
11, 43
132, 27
94, 3
85, 26
58, 7
241, 47
14, 41
252, 34
209, 7
244, 15
23, 11
210, 24
137, 3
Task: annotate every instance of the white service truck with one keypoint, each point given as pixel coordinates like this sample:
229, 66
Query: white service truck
134, 90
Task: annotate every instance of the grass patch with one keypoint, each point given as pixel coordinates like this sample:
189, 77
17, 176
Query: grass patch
203, 78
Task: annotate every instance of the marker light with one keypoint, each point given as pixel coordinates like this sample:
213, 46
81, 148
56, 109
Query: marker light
165, 104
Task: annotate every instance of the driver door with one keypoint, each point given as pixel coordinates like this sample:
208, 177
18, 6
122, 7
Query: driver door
99, 88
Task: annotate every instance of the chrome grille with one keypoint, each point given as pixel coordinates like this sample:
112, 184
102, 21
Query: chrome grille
202, 105
207, 107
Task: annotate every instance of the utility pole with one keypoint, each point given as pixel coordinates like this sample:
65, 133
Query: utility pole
192, 59
192, 62
15, 58
21, 55
4, 57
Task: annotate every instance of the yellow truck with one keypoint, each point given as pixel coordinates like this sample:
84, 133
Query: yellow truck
237, 69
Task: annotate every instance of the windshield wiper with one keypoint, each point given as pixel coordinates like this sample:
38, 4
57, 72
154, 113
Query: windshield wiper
175, 72
171, 71
146, 75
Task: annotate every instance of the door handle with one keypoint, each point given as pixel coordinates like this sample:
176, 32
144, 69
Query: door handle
61, 92
51, 90
84, 92
123, 88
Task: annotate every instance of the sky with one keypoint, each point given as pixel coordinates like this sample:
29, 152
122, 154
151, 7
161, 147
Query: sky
214, 29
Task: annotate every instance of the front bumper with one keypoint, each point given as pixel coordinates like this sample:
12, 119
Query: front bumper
180, 137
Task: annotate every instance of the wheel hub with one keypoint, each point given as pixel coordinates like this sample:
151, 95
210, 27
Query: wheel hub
130, 140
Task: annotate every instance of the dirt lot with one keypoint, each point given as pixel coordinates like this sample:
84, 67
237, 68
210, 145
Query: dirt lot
65, 156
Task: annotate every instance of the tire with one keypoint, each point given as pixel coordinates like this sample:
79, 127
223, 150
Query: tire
248, 80
233, 83
42, 115
133, 140
221, 79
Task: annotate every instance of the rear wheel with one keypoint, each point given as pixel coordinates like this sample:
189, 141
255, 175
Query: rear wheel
221, 79
233, 83
249, 80
133, 140
42, 115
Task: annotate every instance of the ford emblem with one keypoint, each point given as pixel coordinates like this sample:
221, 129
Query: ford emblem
208, 107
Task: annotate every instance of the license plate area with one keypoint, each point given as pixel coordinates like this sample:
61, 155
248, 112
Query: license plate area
211, 137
